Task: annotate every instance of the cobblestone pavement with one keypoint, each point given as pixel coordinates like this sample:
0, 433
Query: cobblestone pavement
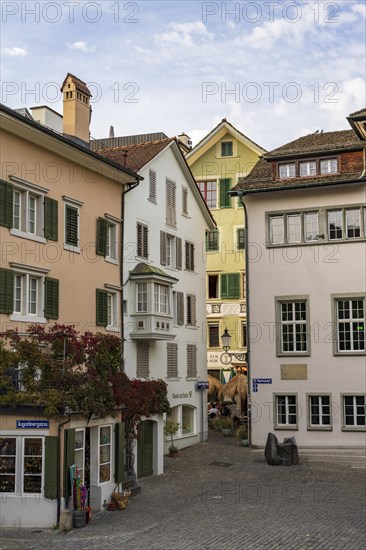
219, 496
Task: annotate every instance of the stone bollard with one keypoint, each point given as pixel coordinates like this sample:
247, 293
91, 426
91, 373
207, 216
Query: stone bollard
65, 523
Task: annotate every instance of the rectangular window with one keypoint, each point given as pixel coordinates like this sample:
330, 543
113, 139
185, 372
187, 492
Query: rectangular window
230, 286
17, 213
8, 459
141, 297
335, 224
189, 256
29, 295
287, 170
80, 453
243, 335
329, 166
276, 230
213, 336
112, 310
32, 465
152, 186
187, 419
350, 319
240, 238
293, 327
191, 310
170, 203
172, 360
286, 411
111, 249
226, 148
184, 201
191, 361
319, 411
212, 241
311, 226
142, 241
161, 298
294, 228
71, 225
353, 223
308, 168
354, 411
28, 212
142, 356
209, 192
105, 453
213, 286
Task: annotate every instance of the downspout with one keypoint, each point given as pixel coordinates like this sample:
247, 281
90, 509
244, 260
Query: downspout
59, 462
240, 194
122, 331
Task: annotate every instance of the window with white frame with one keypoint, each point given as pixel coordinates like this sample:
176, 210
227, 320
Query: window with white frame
350, 323
161, 299
293, 323
29, 296
319, 408
311, 226
32, 464
80, 453
353, 223
111, 241
28, 211
286, 411
185, 416
276, 230
212, 240
329, 166
354, 411
8, 462
227, 149
308, 168
335, 224
141, 297
293, 228
187, 420
209, 192
112, 310
105, 453
287, 170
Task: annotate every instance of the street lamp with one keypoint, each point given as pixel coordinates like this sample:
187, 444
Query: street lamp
227, 356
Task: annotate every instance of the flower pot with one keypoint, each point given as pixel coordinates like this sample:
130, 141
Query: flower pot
173, 454
226, 431
244, 442
78, 518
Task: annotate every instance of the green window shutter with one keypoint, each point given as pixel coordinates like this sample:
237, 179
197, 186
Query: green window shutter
51, 298
72, 233
6, 204
225, 200
6, 291
223, 285
119, 468
102, 308
102, 229
50, 219
230, 285
50, 466
69, 459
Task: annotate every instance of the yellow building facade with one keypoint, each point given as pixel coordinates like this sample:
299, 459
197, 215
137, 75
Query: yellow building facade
217, 162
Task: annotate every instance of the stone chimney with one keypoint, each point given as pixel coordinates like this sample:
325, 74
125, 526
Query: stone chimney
76, 108
187, 142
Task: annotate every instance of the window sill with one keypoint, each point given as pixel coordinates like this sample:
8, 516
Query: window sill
173, 378
27, 318
349, 353
320, 428
29, 236
293, 354
72, 248
289, 427
193, 327
353, 428
111, 328
321, 242
111, 260
192, 378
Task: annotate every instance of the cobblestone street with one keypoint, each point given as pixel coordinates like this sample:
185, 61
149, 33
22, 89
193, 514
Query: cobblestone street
218, 495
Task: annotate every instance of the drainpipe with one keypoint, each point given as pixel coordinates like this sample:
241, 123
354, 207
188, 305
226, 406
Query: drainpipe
240, 194
122, 284
59, 461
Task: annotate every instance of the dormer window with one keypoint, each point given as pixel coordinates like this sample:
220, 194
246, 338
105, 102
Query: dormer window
287, 170
308, 168
329, 166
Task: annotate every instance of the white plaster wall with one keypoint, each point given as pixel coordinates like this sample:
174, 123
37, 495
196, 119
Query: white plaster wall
317, 271
27, 511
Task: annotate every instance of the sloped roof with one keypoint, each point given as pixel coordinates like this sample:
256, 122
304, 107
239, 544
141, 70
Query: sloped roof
224, 124
358, 114
134, 157
79, 84
146, 269
318, 143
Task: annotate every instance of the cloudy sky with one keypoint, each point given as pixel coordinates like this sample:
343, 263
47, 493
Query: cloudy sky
276, 70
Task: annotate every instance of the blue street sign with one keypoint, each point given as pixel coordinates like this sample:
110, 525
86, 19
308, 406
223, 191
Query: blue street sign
33, 424
201, 385
262, 380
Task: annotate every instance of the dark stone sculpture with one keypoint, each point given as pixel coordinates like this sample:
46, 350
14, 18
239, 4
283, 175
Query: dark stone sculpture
281, 454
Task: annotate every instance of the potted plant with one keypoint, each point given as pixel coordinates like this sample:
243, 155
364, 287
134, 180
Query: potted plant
227, 426
216, 424
171, 429
242, 436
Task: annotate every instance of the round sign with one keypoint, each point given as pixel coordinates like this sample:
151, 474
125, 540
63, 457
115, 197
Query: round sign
226, 358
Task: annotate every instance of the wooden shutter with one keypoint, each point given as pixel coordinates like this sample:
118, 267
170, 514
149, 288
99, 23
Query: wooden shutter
230, 285
142, 241
163, 247
191, 361
72, 233
6, 204
188, 256
102, 230
119, 462
172, 360
178, 255
50, 219
50, 466
191, 309
170, 203
6, 291
51, 309
101, 307
224, 197
180, 308
145, 246
185, 201
142, 370
69, 459
152, 186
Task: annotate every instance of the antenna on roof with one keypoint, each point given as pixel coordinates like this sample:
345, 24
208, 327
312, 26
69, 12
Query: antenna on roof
111, 132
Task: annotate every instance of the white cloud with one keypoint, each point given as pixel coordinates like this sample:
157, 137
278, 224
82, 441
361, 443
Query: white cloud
15, 51
184, 34
82, 47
